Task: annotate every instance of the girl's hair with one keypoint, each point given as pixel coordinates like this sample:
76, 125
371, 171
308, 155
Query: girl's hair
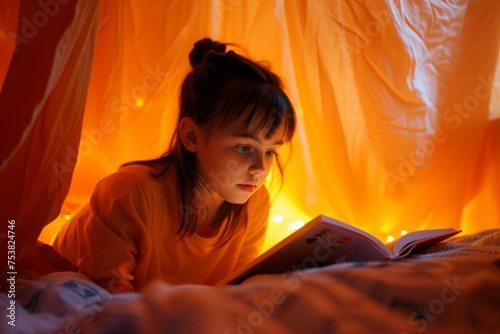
221, 87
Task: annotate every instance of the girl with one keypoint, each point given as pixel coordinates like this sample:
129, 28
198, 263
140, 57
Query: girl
200, 211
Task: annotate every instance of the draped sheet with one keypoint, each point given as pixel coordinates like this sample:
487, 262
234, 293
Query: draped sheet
398, 104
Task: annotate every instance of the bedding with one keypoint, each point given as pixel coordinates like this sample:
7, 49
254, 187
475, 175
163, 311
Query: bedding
453, 287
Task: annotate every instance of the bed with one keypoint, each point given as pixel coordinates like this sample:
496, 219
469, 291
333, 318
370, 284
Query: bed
453, 287
399, 115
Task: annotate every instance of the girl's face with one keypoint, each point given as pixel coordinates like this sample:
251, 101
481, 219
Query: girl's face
234, 162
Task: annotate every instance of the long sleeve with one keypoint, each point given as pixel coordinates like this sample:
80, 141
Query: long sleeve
127, 235
112, 232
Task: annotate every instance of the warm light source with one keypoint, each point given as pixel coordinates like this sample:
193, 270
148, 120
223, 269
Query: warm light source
269, 177
390, 238
139, 102
295, 225
284, 218
403, 232
67, 217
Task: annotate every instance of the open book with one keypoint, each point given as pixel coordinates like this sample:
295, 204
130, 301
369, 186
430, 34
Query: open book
325, 241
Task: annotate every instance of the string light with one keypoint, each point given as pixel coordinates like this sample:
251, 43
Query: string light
390, 238
295, 225
403, 232
278, 219
139, 102
67, 217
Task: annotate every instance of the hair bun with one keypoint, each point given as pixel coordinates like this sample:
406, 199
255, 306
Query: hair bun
201, 48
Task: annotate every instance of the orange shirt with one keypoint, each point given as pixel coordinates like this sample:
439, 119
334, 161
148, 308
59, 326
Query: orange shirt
126, 236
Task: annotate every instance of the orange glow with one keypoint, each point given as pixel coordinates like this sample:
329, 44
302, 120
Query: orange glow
380, 143
278, 219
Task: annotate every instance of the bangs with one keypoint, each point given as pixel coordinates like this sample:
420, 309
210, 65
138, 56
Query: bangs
256, 107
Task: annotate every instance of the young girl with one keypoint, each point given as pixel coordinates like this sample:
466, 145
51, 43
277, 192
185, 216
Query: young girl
200, 211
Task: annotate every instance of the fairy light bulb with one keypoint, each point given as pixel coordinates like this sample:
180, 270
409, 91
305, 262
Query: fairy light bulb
295, 225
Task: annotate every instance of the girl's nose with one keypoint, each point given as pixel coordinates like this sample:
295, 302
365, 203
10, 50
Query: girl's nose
258, 165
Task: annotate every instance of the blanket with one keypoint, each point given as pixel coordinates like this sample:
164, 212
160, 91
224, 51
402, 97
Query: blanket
453, 287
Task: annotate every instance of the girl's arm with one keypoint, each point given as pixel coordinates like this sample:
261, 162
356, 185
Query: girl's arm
112, 233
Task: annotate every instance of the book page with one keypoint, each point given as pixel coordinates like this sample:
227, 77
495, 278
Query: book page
419, 240
320, 242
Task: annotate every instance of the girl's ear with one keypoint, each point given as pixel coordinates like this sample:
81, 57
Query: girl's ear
190, 133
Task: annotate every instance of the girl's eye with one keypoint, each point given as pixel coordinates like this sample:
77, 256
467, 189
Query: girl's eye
248, 149
271, 152
243, 149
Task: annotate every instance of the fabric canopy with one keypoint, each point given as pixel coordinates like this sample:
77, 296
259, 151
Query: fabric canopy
398, 104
